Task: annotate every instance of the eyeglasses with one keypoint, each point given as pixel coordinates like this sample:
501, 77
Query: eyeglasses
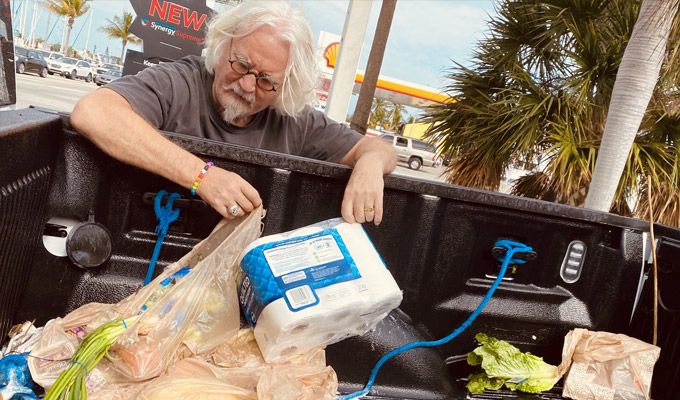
263, 82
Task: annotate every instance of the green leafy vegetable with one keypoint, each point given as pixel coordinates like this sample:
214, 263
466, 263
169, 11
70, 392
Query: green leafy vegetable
481, 381
503, 363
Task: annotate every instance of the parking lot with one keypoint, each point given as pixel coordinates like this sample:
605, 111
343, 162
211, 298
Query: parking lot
54, 92
429, 173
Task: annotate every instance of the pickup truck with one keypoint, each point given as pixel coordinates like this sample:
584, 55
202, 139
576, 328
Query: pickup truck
437, 240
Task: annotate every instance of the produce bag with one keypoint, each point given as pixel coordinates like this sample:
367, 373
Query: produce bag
242, 373
52, 353
302, 377
189, 309
23, 338
607, 366
194, 388
59, 340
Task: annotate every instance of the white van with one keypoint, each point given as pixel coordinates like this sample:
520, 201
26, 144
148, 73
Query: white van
413, 151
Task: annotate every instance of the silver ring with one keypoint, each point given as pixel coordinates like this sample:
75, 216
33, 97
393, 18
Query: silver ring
233, 210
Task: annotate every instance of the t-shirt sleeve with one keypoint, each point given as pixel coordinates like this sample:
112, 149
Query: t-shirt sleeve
326, 139
150, 92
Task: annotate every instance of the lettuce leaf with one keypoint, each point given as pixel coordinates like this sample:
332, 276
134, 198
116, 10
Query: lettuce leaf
479, 382
502, 361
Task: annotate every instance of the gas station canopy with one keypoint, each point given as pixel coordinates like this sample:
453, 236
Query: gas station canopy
390, 89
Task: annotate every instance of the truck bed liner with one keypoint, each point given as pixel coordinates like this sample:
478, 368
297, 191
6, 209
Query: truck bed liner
436, 240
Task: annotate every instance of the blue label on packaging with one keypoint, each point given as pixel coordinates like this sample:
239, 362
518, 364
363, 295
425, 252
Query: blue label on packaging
294, 269
164, 285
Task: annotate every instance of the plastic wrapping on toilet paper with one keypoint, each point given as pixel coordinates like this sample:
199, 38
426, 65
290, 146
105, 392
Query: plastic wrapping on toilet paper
313, 286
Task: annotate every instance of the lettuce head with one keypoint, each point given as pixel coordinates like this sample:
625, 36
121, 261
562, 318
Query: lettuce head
505, 363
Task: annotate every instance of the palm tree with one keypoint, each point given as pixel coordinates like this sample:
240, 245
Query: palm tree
68, 8
638, 74
540, 84
379, 111
386, 115
119, 28
382, 31
395, 116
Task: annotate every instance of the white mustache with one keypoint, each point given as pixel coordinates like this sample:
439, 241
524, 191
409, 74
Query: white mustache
248, 97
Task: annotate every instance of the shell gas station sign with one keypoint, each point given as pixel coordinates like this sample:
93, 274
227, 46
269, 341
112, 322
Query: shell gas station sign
391, 89
331, 53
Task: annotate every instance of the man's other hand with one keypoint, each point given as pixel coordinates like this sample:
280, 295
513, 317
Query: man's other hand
363, 201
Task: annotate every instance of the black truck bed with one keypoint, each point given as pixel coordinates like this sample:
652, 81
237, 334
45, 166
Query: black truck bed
436, 240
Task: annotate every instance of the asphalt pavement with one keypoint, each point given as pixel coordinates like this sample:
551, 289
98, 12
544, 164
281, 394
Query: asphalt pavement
54, 92
429, 173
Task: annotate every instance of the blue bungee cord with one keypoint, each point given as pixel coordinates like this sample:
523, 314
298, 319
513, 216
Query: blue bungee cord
512, 249
165, 216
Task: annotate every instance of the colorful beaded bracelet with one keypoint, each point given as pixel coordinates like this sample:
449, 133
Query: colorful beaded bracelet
200, 177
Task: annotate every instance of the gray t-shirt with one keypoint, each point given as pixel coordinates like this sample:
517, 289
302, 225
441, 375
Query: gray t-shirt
177, 97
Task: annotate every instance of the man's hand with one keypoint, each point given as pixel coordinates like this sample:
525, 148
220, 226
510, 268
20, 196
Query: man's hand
363, 201
223, 190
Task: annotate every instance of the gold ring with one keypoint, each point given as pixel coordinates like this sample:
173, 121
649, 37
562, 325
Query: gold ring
369, 209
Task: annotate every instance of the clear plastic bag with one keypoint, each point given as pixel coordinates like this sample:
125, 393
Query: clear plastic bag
302, 377
183, 312
60, 338
199, 311
193, 388
52, 353
242, 373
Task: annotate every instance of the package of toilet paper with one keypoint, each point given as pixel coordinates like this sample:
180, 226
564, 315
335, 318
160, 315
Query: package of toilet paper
313, 286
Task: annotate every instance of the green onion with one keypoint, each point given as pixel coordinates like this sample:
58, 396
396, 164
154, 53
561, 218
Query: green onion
70, 385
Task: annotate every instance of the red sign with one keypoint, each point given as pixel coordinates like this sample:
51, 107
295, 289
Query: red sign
172, 12
170, 29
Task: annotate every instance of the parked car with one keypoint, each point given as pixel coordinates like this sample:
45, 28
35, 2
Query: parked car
105, 68
50, 57
73, 68
28, 60
413, 151
108, 77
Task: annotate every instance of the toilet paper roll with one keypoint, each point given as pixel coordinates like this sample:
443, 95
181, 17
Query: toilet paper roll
313, 286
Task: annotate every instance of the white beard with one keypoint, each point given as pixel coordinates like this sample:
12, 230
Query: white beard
237, 109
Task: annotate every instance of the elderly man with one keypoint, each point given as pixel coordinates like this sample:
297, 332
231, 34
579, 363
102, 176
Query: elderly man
253, 89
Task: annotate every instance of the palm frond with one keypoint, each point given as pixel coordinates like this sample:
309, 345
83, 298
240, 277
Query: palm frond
540, 83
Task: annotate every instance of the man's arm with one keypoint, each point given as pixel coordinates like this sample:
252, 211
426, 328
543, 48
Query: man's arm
107, 119
363, 201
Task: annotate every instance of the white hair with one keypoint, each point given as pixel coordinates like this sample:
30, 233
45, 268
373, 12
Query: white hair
301, 76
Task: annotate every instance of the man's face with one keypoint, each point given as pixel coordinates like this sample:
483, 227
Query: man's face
236, 96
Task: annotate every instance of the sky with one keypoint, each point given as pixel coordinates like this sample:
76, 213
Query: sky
426, 36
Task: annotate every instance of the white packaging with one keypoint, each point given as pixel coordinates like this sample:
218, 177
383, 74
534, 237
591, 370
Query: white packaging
313, 286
